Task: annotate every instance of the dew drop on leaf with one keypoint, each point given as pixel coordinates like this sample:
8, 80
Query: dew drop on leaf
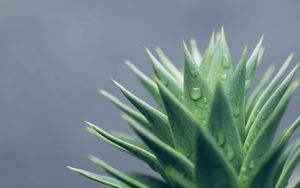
251, 165
194, 72
220, 138
205, 100
229, 152
224, 76
195, 93
225, 62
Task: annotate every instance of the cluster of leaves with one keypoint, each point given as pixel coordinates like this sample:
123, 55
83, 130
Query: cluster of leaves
208, 132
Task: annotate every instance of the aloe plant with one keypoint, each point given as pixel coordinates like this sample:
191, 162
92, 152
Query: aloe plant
209, 131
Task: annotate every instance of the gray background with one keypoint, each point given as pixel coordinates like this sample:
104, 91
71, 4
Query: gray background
55, 54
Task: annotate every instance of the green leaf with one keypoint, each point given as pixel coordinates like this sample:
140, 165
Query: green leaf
196, 92
237, 94
266, 94
117, 174
223, 127
130, 139
167, 156
150, 181
125, 108
99, 178
221, 64
252, 63
195, 51
290, 165
268, 109
168, 65
165, 77
182, 123
157, 119
134, 150
208, 56
148, 83
252, 100
212, 167
178, 180
263, 174
263, 140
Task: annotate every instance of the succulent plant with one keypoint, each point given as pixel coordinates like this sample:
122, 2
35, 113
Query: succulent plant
209, 130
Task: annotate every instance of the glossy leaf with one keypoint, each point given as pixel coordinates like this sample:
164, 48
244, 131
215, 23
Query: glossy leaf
182, 123
222, 126
237, 95
221, 63
196, 92
212, 167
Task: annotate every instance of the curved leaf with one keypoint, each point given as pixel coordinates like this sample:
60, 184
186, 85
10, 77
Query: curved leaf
118, 174
148, 83
165, 77
157, 119
267, 93
269, 107
150, 181
263, 140
168, 65
99, 178
258, 90
289, 166
252, 63
134, 150
237, 95
167, 156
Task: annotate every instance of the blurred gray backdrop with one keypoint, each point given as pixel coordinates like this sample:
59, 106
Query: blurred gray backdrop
55, 54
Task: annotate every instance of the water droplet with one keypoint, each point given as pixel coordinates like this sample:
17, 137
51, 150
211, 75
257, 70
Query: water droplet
251, 165
220, 138
229, 152
236, 111
247, 145
243, 169
205, 100
226, 63
224, 76
194, 72
195, 93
